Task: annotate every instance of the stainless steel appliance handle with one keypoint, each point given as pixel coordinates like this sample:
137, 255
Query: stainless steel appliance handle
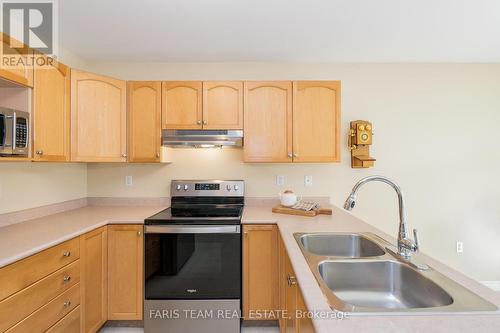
187, 229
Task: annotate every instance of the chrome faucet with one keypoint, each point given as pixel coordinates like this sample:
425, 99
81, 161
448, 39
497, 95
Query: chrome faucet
406, 246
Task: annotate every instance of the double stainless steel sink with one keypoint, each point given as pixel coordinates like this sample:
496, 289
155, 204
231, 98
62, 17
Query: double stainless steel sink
358, 275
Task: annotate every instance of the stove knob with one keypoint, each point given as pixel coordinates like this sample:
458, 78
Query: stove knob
186, 187
228, 187
178, 187
236, 187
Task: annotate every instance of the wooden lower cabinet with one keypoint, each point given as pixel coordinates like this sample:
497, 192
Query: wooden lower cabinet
94, 274
260, 271
76, 286
304, 324
291, 299
125, 277
49, 314
69, 324
269, 283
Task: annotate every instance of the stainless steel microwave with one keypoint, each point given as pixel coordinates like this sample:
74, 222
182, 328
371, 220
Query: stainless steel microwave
14, 132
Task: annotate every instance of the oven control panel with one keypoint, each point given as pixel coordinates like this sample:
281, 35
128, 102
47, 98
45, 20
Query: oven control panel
207, 188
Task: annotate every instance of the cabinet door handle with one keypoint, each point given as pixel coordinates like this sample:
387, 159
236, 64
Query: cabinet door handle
205, 122
39, 152
66, 278
290, 155
157, 155
124, 155
66, 253
198, 122
139, 233
295, 155
291, 280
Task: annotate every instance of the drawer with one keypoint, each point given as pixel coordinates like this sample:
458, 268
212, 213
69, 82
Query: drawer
20, 305
23, 273
48, 315
69, 324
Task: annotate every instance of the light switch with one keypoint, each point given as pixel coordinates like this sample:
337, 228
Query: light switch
128, 180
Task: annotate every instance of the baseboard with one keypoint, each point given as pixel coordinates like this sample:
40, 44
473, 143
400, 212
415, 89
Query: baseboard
495, 285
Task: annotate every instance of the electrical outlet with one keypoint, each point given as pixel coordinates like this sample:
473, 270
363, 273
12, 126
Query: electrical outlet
460, 247
128, 181
308, 180
280, 180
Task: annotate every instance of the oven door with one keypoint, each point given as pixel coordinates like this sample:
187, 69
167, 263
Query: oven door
192, 262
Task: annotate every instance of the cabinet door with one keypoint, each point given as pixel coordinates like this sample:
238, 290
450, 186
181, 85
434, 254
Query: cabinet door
144, 121
268, 122
17, 66
98, 118
182, 105
316, 121
290, 290
223, 105
304, 324
51, 106
260, 269
94, 268
125, 278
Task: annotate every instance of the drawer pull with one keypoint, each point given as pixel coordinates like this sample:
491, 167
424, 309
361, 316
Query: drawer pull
66, 278
67, 304
291, 280
66, 253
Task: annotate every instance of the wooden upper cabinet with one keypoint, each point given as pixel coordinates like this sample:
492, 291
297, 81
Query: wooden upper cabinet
260, 270
125, 277
51, 108
182, 105
268, 122
144, 121
18, 65
316, 121
223, 105
98, 118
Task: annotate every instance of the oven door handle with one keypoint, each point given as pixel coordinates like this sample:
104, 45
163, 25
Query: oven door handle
212, 229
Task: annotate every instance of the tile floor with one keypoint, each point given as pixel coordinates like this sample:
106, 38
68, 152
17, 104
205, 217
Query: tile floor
140, 330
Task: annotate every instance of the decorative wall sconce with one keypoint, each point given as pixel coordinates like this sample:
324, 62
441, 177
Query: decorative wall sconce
360, 139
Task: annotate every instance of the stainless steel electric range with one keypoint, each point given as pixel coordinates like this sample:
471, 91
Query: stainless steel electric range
192, 256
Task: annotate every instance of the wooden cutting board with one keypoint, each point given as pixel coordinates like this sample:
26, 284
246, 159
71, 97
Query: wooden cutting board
286, 210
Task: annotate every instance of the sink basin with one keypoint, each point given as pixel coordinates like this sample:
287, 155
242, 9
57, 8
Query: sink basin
340, 245
382, 284
358, 275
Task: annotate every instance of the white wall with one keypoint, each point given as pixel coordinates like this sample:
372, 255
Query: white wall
436, 133
28, 185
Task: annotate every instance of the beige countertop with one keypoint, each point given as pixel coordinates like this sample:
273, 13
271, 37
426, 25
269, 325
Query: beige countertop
20, 240
343, 221
23, 239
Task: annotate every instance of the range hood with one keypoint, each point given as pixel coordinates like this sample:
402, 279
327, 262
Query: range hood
202, 138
